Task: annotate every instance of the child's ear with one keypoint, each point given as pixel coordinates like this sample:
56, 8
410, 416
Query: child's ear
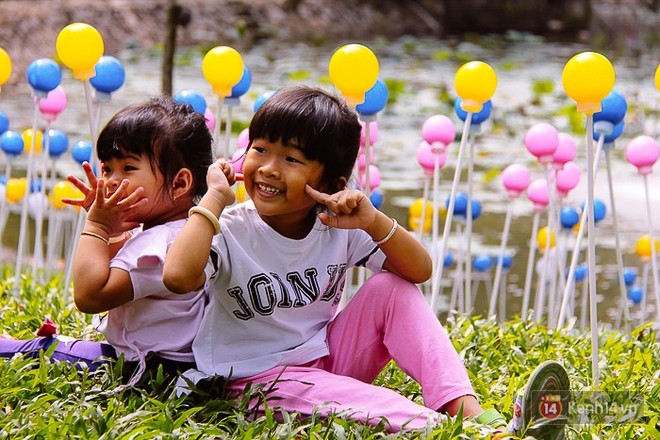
182, 183
341, 183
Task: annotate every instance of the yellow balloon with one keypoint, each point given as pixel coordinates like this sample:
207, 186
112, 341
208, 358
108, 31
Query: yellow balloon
64, 190
27, 136
588, 78
16, 189
222, 67
5, 66
415, 215
353, 70
643, 246
475, 83
542, 238
80, 46
241, 194
657, 78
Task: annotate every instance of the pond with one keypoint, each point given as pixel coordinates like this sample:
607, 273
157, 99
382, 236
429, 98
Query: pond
421, 73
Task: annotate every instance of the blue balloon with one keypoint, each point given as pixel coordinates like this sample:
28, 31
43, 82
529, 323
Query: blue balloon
44, 75
35, 185
617, 131
12, 143
3, 179
110, 75
374, 100
482, 263
82, 151
460, 204
507, 261
569, 217
636, 294
4, 122
629, 276
377, 198
600, 210
580, 272
58, 142
243, 85
477, 118
449, 259
262, 98
194, 99
613, 108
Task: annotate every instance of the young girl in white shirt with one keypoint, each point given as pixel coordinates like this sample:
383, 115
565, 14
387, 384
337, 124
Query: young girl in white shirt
154, 156
281, 260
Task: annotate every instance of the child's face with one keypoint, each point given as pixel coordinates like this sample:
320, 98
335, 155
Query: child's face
139, 173
275, 178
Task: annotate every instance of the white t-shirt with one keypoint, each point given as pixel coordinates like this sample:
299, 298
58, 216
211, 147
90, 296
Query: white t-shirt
272, 297
157, 320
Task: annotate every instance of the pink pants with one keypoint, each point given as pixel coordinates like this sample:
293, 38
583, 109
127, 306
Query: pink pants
387, 319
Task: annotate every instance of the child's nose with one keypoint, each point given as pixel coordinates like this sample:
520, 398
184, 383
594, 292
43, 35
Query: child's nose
270, 169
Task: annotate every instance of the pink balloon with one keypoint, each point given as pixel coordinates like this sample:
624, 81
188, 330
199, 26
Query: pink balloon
643, 152
237, 160
210, 119
438, 131
515, 179
567, 178
426, 157
374, 134
243, 139
374, 178
565, 152
542, 140
362, 159
53, 104
538, 194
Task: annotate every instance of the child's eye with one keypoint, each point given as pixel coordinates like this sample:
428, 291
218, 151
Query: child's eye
106, 170
292, 159
260, 150
129, 168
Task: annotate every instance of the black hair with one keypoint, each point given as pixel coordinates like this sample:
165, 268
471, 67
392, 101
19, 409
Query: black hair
318, 123
171, 135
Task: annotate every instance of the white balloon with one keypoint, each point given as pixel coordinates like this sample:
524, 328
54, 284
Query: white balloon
37, 203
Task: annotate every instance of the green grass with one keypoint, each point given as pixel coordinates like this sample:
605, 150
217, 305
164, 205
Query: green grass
50, 400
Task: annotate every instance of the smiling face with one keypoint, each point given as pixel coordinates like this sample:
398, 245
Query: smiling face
275, 178
139, 173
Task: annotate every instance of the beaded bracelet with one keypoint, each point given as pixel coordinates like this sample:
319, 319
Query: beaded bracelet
389, 235
208, 215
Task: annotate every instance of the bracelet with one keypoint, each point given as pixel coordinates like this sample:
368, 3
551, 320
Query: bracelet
389, 235
208, 215
95, 235
117, 238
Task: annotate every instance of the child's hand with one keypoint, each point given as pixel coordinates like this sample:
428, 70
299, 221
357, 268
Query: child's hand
220, 177
352, 208
87, 191
113, 214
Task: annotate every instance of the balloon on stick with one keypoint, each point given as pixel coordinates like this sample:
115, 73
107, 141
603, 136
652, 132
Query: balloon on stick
4, 123
565, 152
643, 152
657, 78
375, 100
222, 68
353, 69
234, 100
80, 47
515, 179
5, 67
110, 76
193, 98
475, 83
588, 78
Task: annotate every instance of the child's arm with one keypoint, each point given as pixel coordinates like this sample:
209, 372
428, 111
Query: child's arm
96, 287
187, 257
406, 256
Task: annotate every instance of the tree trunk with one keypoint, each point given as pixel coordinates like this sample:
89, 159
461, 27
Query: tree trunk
169, 47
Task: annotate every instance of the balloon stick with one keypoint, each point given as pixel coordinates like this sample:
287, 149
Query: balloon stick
217, 130
500, 260
439, 266
425, 197
541, 288
654, 261
530, 265
468, 227
619, 255
23, 231
228, 130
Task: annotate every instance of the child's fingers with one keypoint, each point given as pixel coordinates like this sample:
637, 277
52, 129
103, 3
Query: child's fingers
134, 197
82, 186
317, 195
